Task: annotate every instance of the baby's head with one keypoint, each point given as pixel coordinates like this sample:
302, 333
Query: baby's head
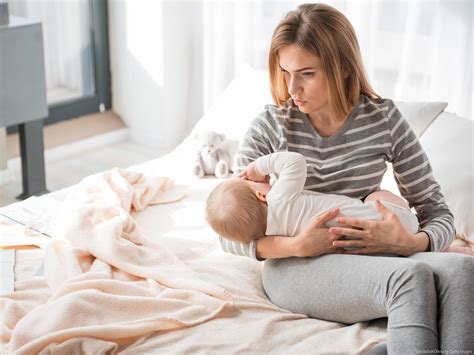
236, 209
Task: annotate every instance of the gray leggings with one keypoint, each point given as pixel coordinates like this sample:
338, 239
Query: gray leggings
427, 297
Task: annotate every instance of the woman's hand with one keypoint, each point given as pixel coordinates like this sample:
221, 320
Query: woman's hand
386, 236
316, 238
251, 173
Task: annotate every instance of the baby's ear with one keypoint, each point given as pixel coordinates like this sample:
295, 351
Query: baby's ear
261, 196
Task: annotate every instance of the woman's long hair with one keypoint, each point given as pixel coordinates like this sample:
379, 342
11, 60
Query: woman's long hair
324, 32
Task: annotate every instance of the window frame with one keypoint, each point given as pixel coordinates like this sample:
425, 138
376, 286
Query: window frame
98, 11
101, 100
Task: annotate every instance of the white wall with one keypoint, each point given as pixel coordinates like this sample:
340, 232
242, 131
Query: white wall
413, 51
142, 90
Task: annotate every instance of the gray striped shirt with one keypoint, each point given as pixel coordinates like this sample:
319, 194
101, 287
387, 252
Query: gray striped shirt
352, 162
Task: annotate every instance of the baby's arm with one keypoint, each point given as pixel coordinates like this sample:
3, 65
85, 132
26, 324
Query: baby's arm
291, 170
251, 173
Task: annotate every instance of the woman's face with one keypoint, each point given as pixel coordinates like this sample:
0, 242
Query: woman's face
307, 84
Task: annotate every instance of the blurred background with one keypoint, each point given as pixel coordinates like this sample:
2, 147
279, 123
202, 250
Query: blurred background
126, 80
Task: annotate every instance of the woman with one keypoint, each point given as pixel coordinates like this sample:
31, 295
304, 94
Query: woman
326, 110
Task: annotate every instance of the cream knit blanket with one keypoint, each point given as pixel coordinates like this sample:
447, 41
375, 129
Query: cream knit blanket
108, 284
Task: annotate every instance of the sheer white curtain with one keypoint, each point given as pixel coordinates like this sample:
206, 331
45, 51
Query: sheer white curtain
66, 40
412, 50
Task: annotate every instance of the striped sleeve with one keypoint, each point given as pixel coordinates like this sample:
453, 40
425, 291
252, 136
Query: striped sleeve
233, 247
260, 139
413, 173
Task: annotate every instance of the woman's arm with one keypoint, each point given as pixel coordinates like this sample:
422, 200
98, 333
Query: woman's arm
314, 240
421, 243
275, 247
413, 174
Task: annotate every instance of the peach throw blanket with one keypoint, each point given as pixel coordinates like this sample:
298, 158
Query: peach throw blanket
108, 285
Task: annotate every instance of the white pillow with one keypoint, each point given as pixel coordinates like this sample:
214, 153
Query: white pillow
243, 100
449, 145
420, 114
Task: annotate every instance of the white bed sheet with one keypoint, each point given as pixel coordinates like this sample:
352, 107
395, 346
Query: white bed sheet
256, 325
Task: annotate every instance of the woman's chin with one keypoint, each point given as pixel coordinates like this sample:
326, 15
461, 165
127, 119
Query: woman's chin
303, 108
307, 109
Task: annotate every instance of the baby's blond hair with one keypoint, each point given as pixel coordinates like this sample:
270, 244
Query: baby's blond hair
234, 212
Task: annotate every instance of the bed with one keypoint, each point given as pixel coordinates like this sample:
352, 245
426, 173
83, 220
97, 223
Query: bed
235, 315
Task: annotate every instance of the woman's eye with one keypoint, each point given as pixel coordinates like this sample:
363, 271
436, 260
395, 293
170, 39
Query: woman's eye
308, 74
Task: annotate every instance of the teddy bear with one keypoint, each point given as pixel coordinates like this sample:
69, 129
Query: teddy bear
214, 154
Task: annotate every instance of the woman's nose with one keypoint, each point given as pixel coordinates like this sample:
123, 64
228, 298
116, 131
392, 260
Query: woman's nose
294, 86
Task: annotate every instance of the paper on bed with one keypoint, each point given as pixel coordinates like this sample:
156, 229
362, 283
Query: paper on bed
14, 236
15, 218
32, 210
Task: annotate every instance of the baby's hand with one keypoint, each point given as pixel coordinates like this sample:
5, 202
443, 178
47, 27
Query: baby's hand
251, 173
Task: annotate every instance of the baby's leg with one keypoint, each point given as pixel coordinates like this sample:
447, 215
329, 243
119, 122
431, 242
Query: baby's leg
384, 195
405, 216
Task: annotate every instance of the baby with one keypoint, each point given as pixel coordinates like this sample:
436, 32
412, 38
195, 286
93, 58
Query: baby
240, 209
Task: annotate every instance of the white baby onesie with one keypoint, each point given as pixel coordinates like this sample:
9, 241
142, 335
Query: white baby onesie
291, 208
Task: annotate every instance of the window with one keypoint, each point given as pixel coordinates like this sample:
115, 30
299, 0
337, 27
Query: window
76, 54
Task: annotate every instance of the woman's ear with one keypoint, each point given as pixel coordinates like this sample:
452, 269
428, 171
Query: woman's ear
261, 196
